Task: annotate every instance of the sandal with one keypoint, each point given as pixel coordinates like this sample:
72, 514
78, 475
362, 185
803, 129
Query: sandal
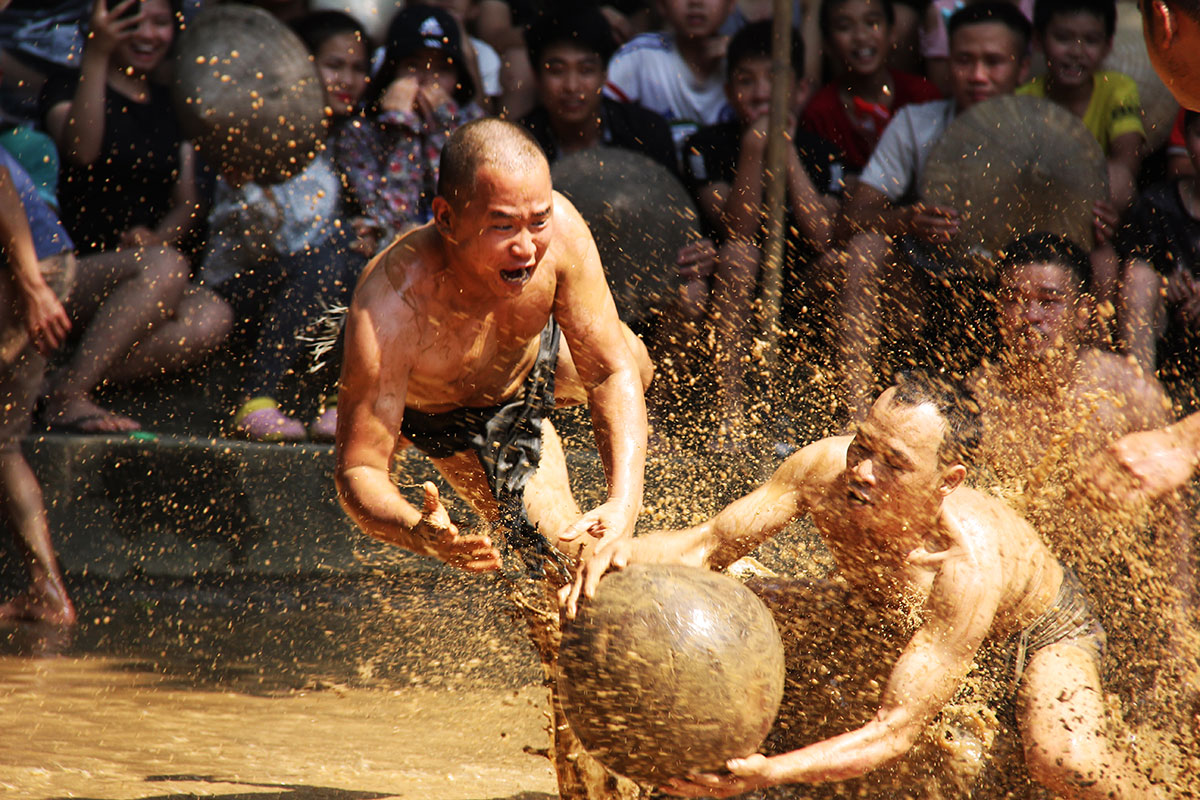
260, 420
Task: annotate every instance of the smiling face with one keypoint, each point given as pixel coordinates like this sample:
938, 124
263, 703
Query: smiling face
342, 63
893, 465
1075, 44
570, 82
150, 39
1041, 313
859, 36
501, 232
986, 60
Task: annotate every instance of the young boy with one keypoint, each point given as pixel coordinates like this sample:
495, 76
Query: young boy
724, 164
677, 72
570, 51
1076, 36
852, 110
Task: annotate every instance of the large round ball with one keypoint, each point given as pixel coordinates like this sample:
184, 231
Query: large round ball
670, 670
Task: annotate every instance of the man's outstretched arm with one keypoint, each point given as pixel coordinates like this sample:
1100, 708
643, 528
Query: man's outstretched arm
961, 609
1144, 466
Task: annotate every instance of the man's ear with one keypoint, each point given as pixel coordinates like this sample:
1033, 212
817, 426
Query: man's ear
443, 215
1163, 25
952, 477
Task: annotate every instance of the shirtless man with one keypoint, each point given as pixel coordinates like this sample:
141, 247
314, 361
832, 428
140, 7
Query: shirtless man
1144, 466
1049, 401
452, 343
890, 504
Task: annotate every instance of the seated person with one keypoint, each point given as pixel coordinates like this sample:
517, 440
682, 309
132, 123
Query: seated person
570, 52
1076, 36
891, 265
421, 94
1158, 244
677, 72
40, 263
892, 505
279, 255
129, 199
851, 111
724, 169
934, 36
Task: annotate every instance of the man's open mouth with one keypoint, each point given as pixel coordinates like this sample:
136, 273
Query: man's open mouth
857, 497
516, 277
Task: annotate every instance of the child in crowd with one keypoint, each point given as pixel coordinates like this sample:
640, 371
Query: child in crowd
483, 62
851, 111
1076, 36
39, 260
421, 94
724, 169
1159, 245
677, 72
341, 50
128, 196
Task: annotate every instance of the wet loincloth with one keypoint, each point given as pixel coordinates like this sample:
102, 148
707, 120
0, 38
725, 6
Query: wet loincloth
1069, 619
507, 438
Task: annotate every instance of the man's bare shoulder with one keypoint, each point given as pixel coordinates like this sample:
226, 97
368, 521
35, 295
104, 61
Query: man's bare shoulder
397, 280
1140, 396
976, 517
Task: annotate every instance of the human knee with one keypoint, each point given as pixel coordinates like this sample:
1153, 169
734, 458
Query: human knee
168, 273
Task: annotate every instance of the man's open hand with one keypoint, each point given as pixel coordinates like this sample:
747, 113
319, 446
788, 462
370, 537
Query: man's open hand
437, 536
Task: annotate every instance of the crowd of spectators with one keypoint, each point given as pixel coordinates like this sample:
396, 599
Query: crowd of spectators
174, 259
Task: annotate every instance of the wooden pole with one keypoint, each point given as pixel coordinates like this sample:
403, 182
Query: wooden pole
776, 179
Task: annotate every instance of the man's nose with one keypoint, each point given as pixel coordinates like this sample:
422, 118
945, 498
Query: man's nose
864, 472
522, 245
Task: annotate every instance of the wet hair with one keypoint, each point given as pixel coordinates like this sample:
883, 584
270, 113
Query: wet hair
486, 142
1048, 248
954, 403
755, 41
825, 14
999, 11
585, 28
1044, 11
317, 28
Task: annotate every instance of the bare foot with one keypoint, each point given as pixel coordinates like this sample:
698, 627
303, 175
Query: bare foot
81, 415
29, 606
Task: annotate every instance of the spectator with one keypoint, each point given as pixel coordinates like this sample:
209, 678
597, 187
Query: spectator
421, 94
851, 111
677, 72
724, 164
128, 197
501, 24
278, 255
935, 36
341, 50
570, 53
1159, 245
482, 59
893, 242
39, 264
1076, 36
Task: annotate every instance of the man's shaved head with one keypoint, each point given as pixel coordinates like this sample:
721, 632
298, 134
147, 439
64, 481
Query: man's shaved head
487, 142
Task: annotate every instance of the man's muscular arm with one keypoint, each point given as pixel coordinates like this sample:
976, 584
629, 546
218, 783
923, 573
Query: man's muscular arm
370, 410
960, 611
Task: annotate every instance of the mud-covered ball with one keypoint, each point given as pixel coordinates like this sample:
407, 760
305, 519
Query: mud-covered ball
670, 670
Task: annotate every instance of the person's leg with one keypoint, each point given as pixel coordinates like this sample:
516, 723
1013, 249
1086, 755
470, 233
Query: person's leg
1061, 716
1141, 316
21, 502
200, 325
122, 295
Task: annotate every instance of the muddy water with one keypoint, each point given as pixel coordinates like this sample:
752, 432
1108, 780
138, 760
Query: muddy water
228, 701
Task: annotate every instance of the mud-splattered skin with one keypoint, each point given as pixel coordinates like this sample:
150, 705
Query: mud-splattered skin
1172, 31
904, 531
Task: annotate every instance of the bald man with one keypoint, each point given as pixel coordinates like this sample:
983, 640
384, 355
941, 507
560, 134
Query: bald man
462, 336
